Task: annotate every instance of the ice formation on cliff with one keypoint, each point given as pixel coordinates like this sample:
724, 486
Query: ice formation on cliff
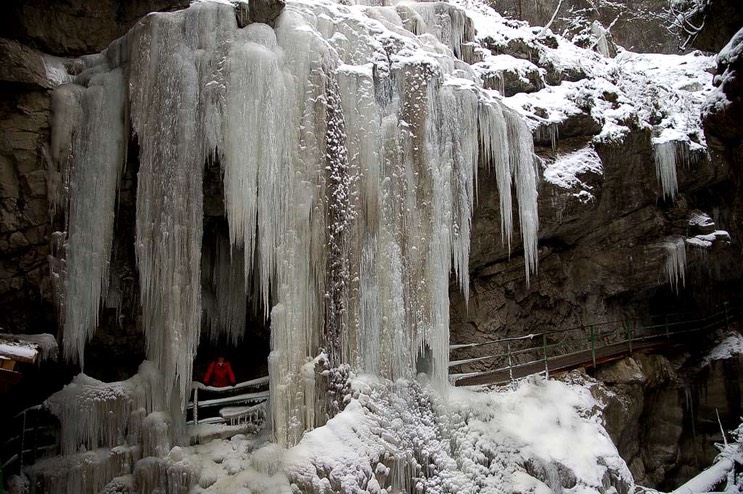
90, 122
675, 265
349, 139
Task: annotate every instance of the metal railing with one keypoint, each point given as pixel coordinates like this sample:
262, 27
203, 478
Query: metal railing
584, 345
32, 434
252, 411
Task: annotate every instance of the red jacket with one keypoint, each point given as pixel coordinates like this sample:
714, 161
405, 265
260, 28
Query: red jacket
219, 375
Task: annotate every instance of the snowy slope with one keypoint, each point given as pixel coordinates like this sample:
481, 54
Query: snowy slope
540, 436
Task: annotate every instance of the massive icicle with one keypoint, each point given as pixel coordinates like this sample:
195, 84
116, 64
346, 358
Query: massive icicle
668, 155
224, 296
96, 143
94, 414
174, 91
349, 141
675, 265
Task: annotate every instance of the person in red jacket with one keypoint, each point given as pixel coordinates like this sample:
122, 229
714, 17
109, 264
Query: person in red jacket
219, 374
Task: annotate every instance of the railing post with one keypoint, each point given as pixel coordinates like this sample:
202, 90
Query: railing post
510, 364
668, 333
23, 441
546, 363
35, 449
629, 335
727, 324
195, 406
593, 346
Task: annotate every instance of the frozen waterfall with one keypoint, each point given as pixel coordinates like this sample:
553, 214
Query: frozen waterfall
349, 140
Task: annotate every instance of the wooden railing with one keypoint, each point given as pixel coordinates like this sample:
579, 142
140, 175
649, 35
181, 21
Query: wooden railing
512, 358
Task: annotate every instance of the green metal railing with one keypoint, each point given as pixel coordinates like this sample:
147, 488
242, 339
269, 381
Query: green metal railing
580, 346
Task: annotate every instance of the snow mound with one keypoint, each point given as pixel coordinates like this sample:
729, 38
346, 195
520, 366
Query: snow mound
730, 346
567, 168
537, 436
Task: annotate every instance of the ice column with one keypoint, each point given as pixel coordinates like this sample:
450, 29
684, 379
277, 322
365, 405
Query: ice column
224, 297
97, 158
675, 266
524, 170
668, 155
174, 84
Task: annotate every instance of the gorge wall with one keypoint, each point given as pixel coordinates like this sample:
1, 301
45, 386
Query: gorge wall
603, 235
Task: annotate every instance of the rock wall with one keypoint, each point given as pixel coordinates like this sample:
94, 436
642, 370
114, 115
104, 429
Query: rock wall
25, 289
602, 256
645, 26
637, 25
75, 27
662, 413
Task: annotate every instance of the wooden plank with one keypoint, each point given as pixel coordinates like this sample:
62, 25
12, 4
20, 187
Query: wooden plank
8, 376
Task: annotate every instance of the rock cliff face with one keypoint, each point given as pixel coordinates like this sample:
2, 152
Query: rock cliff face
603, 232
662, 413
639, 25
75, 27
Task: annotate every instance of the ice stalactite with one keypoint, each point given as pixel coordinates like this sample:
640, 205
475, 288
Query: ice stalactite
668, 155
255, 146
601, 34
524, 169
224, 296
548, 132
97, 158
493, 135
448, 23
175, 80
675, 266
66, 121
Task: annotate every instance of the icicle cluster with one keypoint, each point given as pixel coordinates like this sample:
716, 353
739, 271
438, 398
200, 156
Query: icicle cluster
349, 147
668, 155
89, 143
675, 267
95, 414
224, 295
84, 473
175, 90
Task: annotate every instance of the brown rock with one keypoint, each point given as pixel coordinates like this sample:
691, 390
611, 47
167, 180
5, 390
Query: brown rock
639, 26
21, 64
265, 11
75, 27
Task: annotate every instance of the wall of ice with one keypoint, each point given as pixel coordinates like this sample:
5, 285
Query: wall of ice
349, 140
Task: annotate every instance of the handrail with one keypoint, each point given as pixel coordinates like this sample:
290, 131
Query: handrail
29, 438
253, 383
256, 397
628, 332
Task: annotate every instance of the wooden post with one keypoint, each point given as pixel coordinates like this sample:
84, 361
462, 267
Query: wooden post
195, 406
510, 364
629, 335
593, 346
544, 349
727, 324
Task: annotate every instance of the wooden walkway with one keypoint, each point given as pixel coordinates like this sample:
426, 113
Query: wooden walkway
516, 358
